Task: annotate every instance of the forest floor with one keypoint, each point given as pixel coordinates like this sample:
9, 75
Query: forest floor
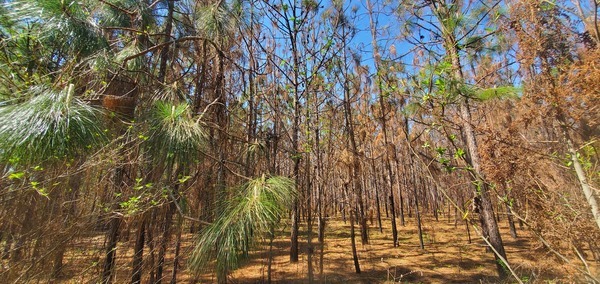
448, 257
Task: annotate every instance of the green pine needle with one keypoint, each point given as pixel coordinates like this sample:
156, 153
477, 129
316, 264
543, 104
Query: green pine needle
52, 126
256, 208
174, 135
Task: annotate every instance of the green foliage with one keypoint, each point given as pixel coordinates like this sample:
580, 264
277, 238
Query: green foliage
63, 23
174, 135
502, 92
51, 126
255, 209
16, 175
219, 21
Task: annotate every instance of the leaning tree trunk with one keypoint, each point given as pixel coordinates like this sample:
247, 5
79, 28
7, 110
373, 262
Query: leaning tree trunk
585, 186
488, 220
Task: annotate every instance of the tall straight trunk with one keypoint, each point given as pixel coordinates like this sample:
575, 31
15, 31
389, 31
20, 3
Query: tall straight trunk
251, 120
162, 251
489, 224
138, 254
295, 223
383, 119
353, 236
385, 203
308, 186
318, 172
113, 232
377, 202
292, 27
111, 249
412, 172
177, 250
220, 144
201, 79
400, 186
164, 53
417, 212
355, 160
486, 209
150, 244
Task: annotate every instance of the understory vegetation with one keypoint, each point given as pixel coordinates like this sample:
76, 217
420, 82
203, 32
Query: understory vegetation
299, 141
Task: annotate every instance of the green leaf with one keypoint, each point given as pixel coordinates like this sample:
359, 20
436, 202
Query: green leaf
184, 179
460, 153
17, 175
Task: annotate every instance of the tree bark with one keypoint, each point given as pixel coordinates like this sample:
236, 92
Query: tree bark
489, 224
585, 186
164, 53
138, 254
111, 249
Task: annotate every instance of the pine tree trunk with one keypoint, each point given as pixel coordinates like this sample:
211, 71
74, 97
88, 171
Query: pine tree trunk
588, 193
164, 54
511, 222
162, 251
270, 260
489, 224
111, 249
138, 253
417, 212
177, 250
353, 238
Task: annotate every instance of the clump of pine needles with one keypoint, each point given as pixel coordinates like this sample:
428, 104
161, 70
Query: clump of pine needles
255, 210
51, 126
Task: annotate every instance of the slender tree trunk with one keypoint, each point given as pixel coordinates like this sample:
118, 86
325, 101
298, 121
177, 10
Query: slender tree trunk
113, 232
468, 231
164, 53
308, 185
353, 237
295, 136
270, 258
383, 119
111, 249
138, 253
377, 203
397, 164
177, 250
585, 186
319, 184
489, 223
417, 212
511, 222
150, 244
162, 251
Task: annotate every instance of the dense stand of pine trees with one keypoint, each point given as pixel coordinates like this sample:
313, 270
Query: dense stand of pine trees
125, 125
